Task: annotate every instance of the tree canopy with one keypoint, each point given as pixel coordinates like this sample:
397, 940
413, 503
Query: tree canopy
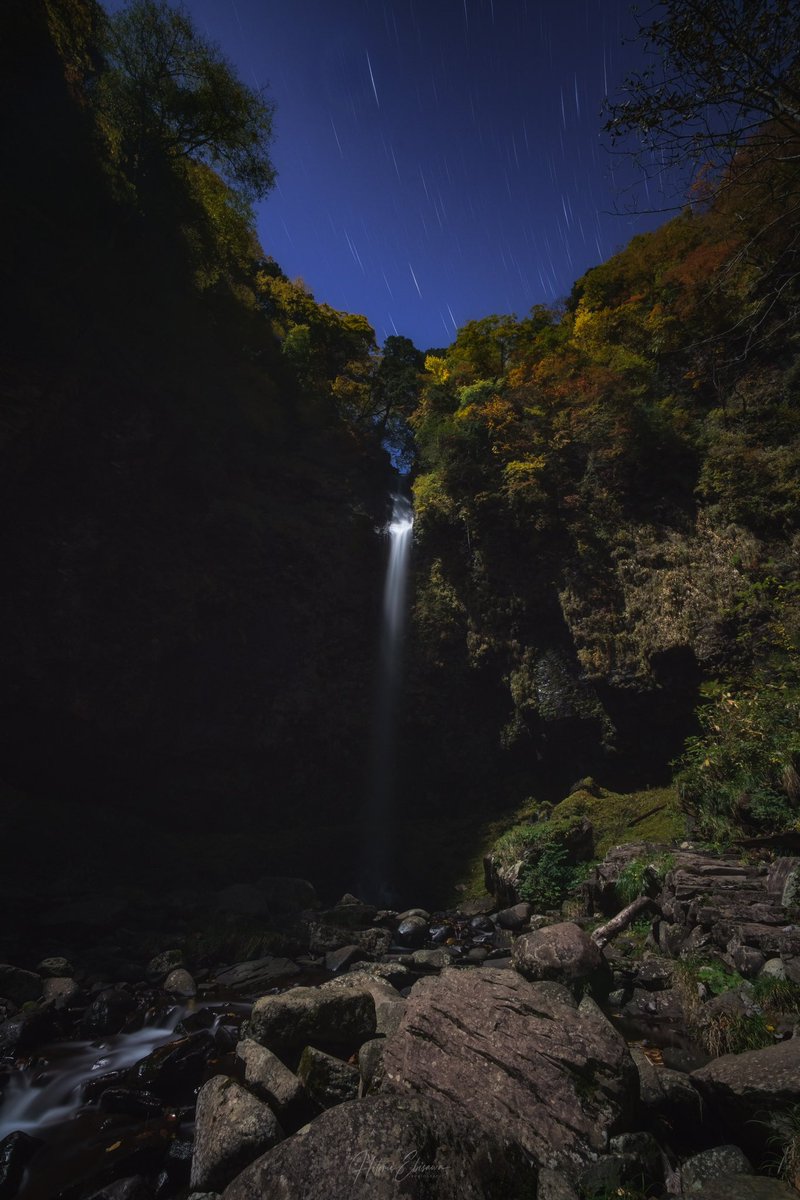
724, 73
169, 91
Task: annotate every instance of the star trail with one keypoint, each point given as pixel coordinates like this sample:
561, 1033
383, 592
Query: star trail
438, 160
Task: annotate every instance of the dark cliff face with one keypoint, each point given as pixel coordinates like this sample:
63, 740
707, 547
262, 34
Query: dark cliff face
191, 571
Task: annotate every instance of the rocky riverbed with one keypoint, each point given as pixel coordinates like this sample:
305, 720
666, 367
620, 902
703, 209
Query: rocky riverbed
610, 1049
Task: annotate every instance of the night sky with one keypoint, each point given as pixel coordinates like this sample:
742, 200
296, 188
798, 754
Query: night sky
438, 160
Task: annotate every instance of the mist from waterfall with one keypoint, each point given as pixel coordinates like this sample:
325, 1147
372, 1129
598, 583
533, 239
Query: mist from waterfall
377, 856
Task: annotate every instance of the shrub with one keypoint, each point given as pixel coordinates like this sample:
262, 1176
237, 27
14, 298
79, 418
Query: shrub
740, 774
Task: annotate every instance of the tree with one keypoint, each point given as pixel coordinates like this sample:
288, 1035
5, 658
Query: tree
726, 74
168, 93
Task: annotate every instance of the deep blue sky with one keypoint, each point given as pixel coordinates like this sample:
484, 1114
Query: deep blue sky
438, 160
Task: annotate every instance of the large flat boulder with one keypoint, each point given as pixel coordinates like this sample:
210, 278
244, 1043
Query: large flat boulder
312, 1016
518, 1057
745, 1086
384, 1147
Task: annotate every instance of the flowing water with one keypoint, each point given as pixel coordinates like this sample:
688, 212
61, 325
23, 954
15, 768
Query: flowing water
377, 868
51, 1092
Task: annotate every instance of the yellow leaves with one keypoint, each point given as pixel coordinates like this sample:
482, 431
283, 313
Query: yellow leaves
437, 367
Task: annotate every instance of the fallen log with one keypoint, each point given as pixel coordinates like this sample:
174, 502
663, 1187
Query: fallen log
603, 935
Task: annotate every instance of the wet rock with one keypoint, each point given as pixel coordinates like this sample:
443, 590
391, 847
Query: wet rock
24, 1031
59, 992
441, 933
133, 1102
326, 1079
18, 985
180, 983
107, 1013
160, 966
308, 1016
370, 1065
270, 1079
710, 1164
384, 1146
258, 974
522, 1057
232, 1128
412, 931
16, 1151
55, 967
482, 924
562, 952
175, 1070
516, 917
422, 913
339, 960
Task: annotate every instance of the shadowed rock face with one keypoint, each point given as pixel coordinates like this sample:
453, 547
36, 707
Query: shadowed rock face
384, 1147
517, 1056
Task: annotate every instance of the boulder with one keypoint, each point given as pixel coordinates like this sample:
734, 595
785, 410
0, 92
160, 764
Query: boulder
397, 974
323, 938
743, 1090
232, 1128
744, 1187
160, 966
710, 1164
59, 992
516, 917
327, 1080
180, 983
270, 1079
16, 1151
18, 985
338, 960
256, 975
412, 931
55, 967
431, 960
562, 952
554, 1186
370, 1065
523, 1057
383, 1147
310, 1016
107, 1013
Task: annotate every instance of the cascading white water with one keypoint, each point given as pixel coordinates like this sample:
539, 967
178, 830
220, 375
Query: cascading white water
377, 860
42, 1096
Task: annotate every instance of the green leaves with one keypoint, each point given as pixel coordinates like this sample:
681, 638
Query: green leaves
172, 95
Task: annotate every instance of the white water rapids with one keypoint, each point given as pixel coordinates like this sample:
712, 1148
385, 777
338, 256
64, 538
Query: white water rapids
52, 1092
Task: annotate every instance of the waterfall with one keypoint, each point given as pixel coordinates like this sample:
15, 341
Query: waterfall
380, 812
